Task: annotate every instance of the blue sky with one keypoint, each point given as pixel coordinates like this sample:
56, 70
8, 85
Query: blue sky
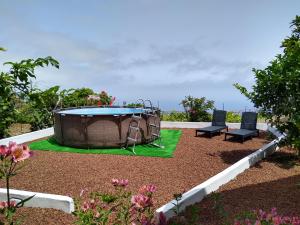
154, 49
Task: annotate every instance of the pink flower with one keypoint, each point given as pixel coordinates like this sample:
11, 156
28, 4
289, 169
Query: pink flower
114, 181
97, 215
19, 152
85, 206
274, 211
112, 101
123, 182
147, 189
119, 183
92, 204
82, 191
13, 203
4, 151
145, 220
257, 222
141, 201
162, 219
4, 204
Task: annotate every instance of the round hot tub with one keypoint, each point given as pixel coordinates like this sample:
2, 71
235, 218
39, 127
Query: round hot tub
102, 127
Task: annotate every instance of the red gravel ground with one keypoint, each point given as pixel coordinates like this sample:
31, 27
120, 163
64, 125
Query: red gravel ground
273, 182
195, 160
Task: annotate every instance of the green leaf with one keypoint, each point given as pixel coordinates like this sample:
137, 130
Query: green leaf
21, 203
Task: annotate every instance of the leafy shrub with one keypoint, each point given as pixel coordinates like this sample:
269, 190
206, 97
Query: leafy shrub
267, 218
197, 108
15, 84
174, 116
277, 91
233, 117
75, 97
41, 105
134, 105
119, 207
103, 99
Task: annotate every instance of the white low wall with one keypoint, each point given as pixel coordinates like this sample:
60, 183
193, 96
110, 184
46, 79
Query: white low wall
169, 124
197, 193
41, 200
19, 139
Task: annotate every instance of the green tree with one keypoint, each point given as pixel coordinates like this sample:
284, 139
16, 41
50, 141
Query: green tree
196, 109
42, 103
276, 91
16, 83
75, 97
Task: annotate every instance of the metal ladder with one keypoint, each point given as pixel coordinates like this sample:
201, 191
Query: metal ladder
154, 127
134, 128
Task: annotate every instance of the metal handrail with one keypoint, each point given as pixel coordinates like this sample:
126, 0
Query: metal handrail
140, 100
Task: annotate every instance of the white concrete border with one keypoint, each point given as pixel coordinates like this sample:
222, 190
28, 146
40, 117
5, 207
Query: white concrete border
197, 193
19, 139
169, 124
41, 200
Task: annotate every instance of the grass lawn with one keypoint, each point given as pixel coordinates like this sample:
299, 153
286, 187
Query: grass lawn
170, 139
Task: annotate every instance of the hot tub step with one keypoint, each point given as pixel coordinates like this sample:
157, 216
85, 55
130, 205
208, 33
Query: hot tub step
134, 128
153, 125
131, 139
150, 114
136, 117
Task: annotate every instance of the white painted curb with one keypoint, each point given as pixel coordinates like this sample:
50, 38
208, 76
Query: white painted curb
197, 193
19, 139
169, 124
41, 200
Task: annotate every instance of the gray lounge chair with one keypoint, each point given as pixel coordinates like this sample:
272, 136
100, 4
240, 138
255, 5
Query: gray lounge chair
217, 124
248, 127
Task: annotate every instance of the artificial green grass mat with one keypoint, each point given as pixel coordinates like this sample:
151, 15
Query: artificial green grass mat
169, 139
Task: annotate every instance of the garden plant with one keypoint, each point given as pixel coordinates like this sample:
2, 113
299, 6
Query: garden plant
196, 109
118, 207
276, 91
15, 84
262, 217
11, 157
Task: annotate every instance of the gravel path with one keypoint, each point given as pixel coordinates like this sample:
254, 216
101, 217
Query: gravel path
195, 160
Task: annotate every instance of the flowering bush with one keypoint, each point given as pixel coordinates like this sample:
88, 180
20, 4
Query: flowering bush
119, 207
260, 217
10, 158
196, 109
103, 99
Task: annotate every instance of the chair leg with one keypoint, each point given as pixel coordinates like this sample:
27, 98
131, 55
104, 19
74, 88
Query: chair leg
225, 137
210, 134
196, 133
